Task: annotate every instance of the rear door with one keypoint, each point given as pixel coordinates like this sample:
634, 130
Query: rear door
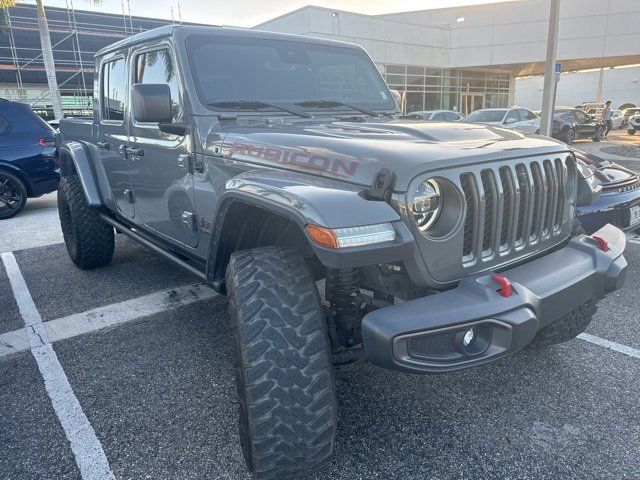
528, 122
162, 170
111, 128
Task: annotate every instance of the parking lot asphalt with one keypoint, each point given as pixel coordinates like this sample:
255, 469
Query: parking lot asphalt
159, 392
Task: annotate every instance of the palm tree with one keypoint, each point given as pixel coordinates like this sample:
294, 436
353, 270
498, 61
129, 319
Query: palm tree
47, 52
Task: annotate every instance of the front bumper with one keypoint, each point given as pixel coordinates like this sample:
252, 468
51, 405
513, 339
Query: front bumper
424, 335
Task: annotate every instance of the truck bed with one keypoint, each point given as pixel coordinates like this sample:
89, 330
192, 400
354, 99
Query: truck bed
77, 128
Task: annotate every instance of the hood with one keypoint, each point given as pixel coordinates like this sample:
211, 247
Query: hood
354, 151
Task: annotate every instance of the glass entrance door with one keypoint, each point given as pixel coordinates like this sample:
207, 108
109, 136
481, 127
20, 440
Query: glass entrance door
471, 102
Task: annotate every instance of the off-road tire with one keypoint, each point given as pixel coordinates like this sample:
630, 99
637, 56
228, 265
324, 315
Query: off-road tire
568, 327
283, 364
89, 240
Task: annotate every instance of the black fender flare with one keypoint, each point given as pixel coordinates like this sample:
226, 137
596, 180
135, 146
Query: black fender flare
401, 249
81, 159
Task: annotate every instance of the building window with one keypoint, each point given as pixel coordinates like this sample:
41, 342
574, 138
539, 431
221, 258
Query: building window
113, 90
429, 88
158, 66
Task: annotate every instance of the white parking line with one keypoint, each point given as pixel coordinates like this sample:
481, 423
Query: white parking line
108, 316
609, 345
86, 447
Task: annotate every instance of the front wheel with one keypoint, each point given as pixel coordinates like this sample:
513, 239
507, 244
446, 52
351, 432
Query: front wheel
13, 195
631, 131
89, 239
283, 363
570, 136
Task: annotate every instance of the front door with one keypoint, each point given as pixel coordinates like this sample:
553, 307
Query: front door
111, 130
162, 177
471, 102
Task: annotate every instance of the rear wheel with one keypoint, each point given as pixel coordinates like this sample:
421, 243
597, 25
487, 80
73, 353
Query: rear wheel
598, 135
13, 195
631, 131
283, 363
89, 240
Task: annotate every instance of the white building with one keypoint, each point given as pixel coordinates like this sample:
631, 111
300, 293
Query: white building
468, 57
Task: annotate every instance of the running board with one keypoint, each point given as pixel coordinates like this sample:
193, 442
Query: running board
135, 236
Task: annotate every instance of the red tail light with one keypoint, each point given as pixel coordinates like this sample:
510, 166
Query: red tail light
47, 142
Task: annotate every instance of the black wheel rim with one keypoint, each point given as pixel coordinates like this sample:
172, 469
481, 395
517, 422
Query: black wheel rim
570, 136
10, 195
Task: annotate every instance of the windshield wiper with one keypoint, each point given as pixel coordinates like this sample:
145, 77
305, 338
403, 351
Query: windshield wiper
331, 104
257, 105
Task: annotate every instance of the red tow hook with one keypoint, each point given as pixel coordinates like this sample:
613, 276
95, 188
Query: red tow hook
602, 243
506, 290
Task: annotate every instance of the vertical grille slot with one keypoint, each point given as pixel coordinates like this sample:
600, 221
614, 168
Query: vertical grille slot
540, 202
526, 204
561, 191
510, 194
490, 209
552, 197
471, 212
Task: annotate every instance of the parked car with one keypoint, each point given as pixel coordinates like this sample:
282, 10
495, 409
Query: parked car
630, 112
618, 119
28, 158
438, 115
618, 194
418, 229
634, 124
521, 119
570, 124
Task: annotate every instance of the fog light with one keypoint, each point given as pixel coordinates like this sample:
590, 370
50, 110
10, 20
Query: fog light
469, 337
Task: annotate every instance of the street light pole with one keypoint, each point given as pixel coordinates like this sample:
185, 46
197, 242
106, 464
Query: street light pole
549, 89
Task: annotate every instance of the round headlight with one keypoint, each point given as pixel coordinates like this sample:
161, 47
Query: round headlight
427, 204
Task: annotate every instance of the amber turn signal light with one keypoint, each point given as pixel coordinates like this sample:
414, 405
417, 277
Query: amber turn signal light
322, 236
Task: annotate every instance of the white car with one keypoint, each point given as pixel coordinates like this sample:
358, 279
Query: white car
438, 115
521, 119
618, 119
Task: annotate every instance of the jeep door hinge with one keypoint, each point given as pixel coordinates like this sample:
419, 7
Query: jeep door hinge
190, 163
190, 220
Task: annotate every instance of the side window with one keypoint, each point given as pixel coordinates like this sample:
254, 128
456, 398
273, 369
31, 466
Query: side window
113, 90
511, 116
5, 126
438, 116
451, 117
158, 66
529, 115
579, 116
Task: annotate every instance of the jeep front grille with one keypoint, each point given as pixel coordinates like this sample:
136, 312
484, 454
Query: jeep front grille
512, 207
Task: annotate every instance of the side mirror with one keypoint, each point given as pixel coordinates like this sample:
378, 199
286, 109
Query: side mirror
509, 121
151, 102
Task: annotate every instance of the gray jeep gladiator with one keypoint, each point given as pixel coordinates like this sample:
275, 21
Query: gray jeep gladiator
279, 170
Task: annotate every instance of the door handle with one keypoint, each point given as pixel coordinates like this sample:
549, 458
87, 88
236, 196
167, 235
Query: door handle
134, 152
103, 145
131, 151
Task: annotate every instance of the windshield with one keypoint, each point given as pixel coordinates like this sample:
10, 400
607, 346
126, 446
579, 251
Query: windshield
233, 69
483, 116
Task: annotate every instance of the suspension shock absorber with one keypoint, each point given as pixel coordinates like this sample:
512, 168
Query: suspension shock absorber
344, 297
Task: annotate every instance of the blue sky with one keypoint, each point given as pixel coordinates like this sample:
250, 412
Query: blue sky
248, 13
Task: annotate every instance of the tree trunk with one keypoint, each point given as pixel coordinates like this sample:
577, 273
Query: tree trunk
49, 65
